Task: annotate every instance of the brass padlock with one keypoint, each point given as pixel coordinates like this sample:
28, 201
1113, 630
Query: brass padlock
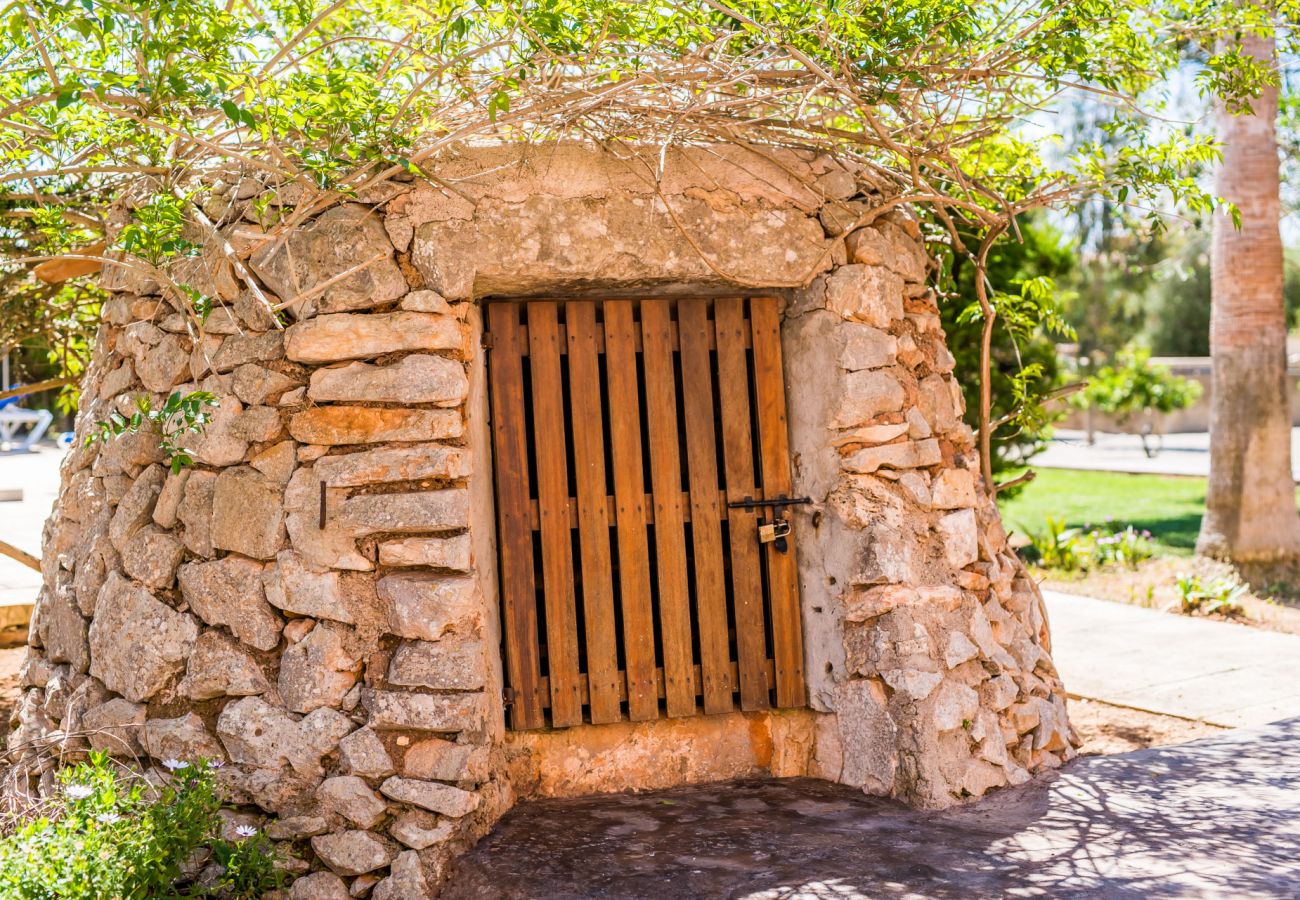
767, 533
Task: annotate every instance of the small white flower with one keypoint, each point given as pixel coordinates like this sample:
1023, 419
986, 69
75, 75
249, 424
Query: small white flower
215, 764
108, 818
175, 764
245, 831
78, 791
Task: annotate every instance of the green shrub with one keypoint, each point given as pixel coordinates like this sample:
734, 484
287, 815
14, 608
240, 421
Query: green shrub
113, 834
1082, 549
1211, 595
1133, 385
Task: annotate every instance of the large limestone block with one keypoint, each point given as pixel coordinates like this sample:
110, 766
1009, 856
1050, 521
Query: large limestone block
866, 395
450, 664
256, 733
869, 294
369, 425
327, 546
229, 592
151, 557
296, 586
904, 455
399, 710
538, 243
363, 754
219, 667
405, 881
164, 366
248, 513
435, 759
318, 670
426, 605
319, 886
350, 797
195, 512
115, 727
337, 241
354, 852
435, 552
422, 511
62, 630
427, 461
419, 378
254, 384
431, 795
137, 644
184, 738
135, 509
960, 538
335, 338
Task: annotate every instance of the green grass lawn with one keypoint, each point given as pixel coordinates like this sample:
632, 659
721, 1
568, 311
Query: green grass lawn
1168, 506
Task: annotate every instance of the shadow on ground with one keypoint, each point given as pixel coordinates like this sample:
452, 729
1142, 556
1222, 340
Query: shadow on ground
1214, 817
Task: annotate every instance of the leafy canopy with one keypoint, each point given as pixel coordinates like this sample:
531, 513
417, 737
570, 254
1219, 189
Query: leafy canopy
944, 100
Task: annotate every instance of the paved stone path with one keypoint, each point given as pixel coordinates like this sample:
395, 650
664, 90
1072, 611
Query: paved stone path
1219, 817
1218, 672
1183, 454
37, 475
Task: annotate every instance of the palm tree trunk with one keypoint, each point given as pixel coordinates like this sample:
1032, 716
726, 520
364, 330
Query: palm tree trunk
1250, 513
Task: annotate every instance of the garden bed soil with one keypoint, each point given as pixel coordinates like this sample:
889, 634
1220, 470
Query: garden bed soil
1153, 585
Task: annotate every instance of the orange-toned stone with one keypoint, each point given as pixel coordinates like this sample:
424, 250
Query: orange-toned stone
367, 425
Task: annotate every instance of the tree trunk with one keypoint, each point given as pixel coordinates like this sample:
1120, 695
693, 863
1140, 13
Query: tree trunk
1250, 507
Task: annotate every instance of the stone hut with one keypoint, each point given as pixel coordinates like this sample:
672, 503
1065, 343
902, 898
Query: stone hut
564, 471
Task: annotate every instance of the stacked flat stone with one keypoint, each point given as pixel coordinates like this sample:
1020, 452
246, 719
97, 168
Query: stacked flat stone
347, 675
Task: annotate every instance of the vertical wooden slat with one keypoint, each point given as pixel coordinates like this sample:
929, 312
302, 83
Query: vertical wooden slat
515, 534
773, 440
593, 523
666, 484
553, 514
706, 530
742, 524
624, 404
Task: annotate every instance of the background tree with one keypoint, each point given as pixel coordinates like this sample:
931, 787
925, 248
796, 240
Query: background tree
1250, 513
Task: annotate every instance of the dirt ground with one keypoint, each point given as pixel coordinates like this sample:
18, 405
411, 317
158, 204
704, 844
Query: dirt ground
12, 649
1107, 729
1154, 585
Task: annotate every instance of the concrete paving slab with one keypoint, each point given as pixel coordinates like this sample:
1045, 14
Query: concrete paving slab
1179, 454
37, 475
1218, 817
1217, 672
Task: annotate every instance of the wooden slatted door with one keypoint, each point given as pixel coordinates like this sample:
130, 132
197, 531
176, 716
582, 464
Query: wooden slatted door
632, 586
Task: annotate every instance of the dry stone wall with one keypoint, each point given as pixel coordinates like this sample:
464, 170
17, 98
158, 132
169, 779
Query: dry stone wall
336, 647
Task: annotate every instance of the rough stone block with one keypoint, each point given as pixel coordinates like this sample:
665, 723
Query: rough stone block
426, 606
418, 829
450, 664
960, 538
296, 586
369, 425
866, 347
326, 247
416, 463
255, 733
151, 557
869, 294
318, 670
353, 852
184, 738
435, 552
115, 727
135, 509
336, 338
441, 510
431, 795
424, 712
953, 489
219, 667
251, 347
419, 378
905, 455
248, 513
350, 797
435, 759
195, 512
362, 753
866, 395
229, 592
137, 644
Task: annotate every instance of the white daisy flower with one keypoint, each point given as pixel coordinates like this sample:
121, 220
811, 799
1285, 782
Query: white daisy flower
78, 791
108, 818
175, 764
215, 764
245, 831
